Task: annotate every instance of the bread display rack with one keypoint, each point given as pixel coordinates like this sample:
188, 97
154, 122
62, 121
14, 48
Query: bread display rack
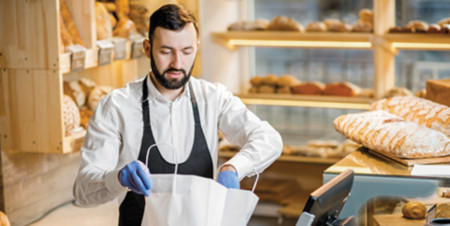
33, 68
384, 45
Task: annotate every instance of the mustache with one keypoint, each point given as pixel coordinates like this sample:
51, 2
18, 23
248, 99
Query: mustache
175, 70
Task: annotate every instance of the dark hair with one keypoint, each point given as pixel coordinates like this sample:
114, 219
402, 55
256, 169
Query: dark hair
172, 17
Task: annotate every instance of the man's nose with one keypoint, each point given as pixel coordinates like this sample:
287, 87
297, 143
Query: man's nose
176, 61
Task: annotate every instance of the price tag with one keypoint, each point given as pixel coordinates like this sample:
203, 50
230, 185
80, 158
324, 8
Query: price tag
77, 57
105, 51
137, 49
120, 48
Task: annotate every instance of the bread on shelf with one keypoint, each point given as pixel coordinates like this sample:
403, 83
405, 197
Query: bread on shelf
424, 112
366, 15
390, 134
69, 23
316, 27
335, 25
417, 26
287, 80
341, 89
97, 94
414, 210
71, 115
309, 88
102, 22
398, 91
284, 23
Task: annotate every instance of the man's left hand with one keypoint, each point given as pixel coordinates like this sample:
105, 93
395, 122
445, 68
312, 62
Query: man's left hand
228, 177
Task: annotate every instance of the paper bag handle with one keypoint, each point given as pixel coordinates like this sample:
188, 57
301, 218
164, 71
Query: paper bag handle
256, 180
176, 161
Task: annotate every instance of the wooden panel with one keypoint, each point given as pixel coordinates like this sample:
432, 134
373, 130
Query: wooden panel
36, 183
5, 122
29, 38
34, 98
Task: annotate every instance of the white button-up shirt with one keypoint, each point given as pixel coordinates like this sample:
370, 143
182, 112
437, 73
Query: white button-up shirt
115, 131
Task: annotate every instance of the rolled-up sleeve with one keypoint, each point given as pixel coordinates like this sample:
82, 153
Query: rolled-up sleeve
260, 143
97, 181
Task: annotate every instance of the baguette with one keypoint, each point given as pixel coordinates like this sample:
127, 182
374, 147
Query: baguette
390, 134
424, 112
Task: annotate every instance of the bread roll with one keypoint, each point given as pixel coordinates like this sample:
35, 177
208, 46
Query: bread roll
444, 21
87, 85
414, 210
424, 112
254, 89
421, 93
270, 79
417, 26
237, 26
283, 90
398, 91
284, 23
256, 81
110, 6
287, 80
267, 89
390, 134
362, 26
341, 89
97, 94
335, 25
434, 28
71, 115
309, 88
366, 15
316, 27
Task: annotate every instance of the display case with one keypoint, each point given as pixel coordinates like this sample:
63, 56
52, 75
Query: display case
34, 67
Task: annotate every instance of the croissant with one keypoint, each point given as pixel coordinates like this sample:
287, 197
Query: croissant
414, 210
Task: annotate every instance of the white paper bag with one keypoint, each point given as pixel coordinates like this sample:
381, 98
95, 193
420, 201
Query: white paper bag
193, 200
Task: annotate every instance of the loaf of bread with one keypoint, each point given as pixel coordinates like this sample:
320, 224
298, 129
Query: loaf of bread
398, 91
71, 115
139, 14
69, 23
97, 94
341, 89
366, 15
267, 89
444, 21
125, 28
122, 8
366, 92
443, 210
283, 90
434, 28
390, 134
309, 88
66, 40
284, 23
287, 80
316, 27
270, 79
417, 26
424, 112
102, 23
256, 80
335, 25
85, 115
414, 210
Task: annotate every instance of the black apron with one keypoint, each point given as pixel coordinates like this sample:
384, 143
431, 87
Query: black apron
199, 162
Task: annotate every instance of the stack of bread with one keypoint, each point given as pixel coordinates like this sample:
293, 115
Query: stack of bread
402, 126
365, 22
273, 84
418, 26
85, 95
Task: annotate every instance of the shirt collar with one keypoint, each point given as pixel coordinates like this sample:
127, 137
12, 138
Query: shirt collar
154, 93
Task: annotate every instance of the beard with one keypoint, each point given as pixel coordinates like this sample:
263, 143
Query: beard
170, 83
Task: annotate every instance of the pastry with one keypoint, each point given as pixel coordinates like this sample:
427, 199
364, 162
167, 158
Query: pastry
316, 27
69, 23
390, 134
237, 26
71, 115
97, 94
256, 80
259, 25
284, 23
443, 210
283, 90
309, 88
366, 15
270, 79
335, 25
444, 21
254, 89
341, 89
362, 26
287, 80
398, 91
414, 210
417, 26
424, 112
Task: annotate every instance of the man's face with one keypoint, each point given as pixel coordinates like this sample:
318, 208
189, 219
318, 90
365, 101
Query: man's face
173, 55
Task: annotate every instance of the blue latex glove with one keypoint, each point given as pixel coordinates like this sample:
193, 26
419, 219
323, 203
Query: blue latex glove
229, 179
136, 177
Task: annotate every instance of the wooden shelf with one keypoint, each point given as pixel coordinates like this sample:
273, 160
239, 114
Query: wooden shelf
232, 39
290, 158
418, 41
307, 101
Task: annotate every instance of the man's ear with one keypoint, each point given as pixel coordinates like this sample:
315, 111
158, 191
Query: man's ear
147, 47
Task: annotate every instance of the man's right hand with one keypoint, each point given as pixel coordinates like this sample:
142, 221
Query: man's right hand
136, 177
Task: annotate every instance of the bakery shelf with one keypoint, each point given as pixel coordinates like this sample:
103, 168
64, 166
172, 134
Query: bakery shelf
233, 39
73, 142
290, 158
293, 100
418, 41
